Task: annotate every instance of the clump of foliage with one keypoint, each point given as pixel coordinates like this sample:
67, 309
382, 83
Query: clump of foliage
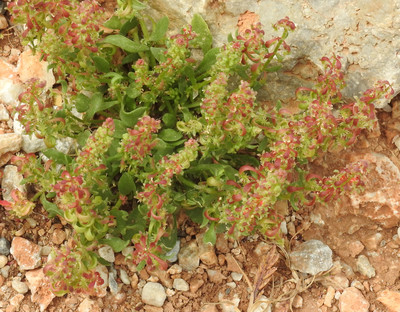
160, 132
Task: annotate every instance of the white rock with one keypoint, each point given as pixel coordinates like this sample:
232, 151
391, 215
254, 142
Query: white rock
154, 294
4, 116
11, 180
264, 306
10, 142
364, 33
365, 267
124, 277
19, 287
236, 276
180, 284
107, 253
229, 307
5, 271
9, 91
66, 145
175, 269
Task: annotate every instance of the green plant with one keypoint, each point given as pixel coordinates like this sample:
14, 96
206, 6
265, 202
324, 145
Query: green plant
160, 131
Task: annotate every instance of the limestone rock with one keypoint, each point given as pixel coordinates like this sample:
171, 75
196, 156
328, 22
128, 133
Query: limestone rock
10, 142
30, 66
381, 198
364, 33
391, 299
311, 257
40, 287
11, 87
154, 294
11, 180
352, 300
26, 253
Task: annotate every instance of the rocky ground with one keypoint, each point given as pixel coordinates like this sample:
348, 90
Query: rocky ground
342, 257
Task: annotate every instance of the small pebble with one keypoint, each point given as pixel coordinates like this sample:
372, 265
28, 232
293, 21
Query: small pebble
3, 22
365, 267
58, 236
297, 302
3, 261
4, 246
124, 277
45, 251
32, 222
5, 271
154, 294
112, 283
19, 287
236, 276
231, 285
107, 253
180, 284
175, 269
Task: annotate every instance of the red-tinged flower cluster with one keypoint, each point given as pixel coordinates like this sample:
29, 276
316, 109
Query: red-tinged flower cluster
229, 121
71, 269
154, 194
146, 252
71, 192
20, 206
137, 143
184, 37
344, 181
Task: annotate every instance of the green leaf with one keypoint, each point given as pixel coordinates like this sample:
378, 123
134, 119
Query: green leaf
126, 185
132, 23
125, 43
170, 135
113, 23
102, 65
204, 38
57, 156
82, 103
120, 128
196, 215
130, 119
209, 60
82, 137
132, 92
141, 265
169, 120
160, 29
116, 243
158, 53
52, 209
210, 236
97, 104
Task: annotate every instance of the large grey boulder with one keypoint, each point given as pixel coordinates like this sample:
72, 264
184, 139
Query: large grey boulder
364, 32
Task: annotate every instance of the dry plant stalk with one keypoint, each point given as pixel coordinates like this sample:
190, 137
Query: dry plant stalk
264, 274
